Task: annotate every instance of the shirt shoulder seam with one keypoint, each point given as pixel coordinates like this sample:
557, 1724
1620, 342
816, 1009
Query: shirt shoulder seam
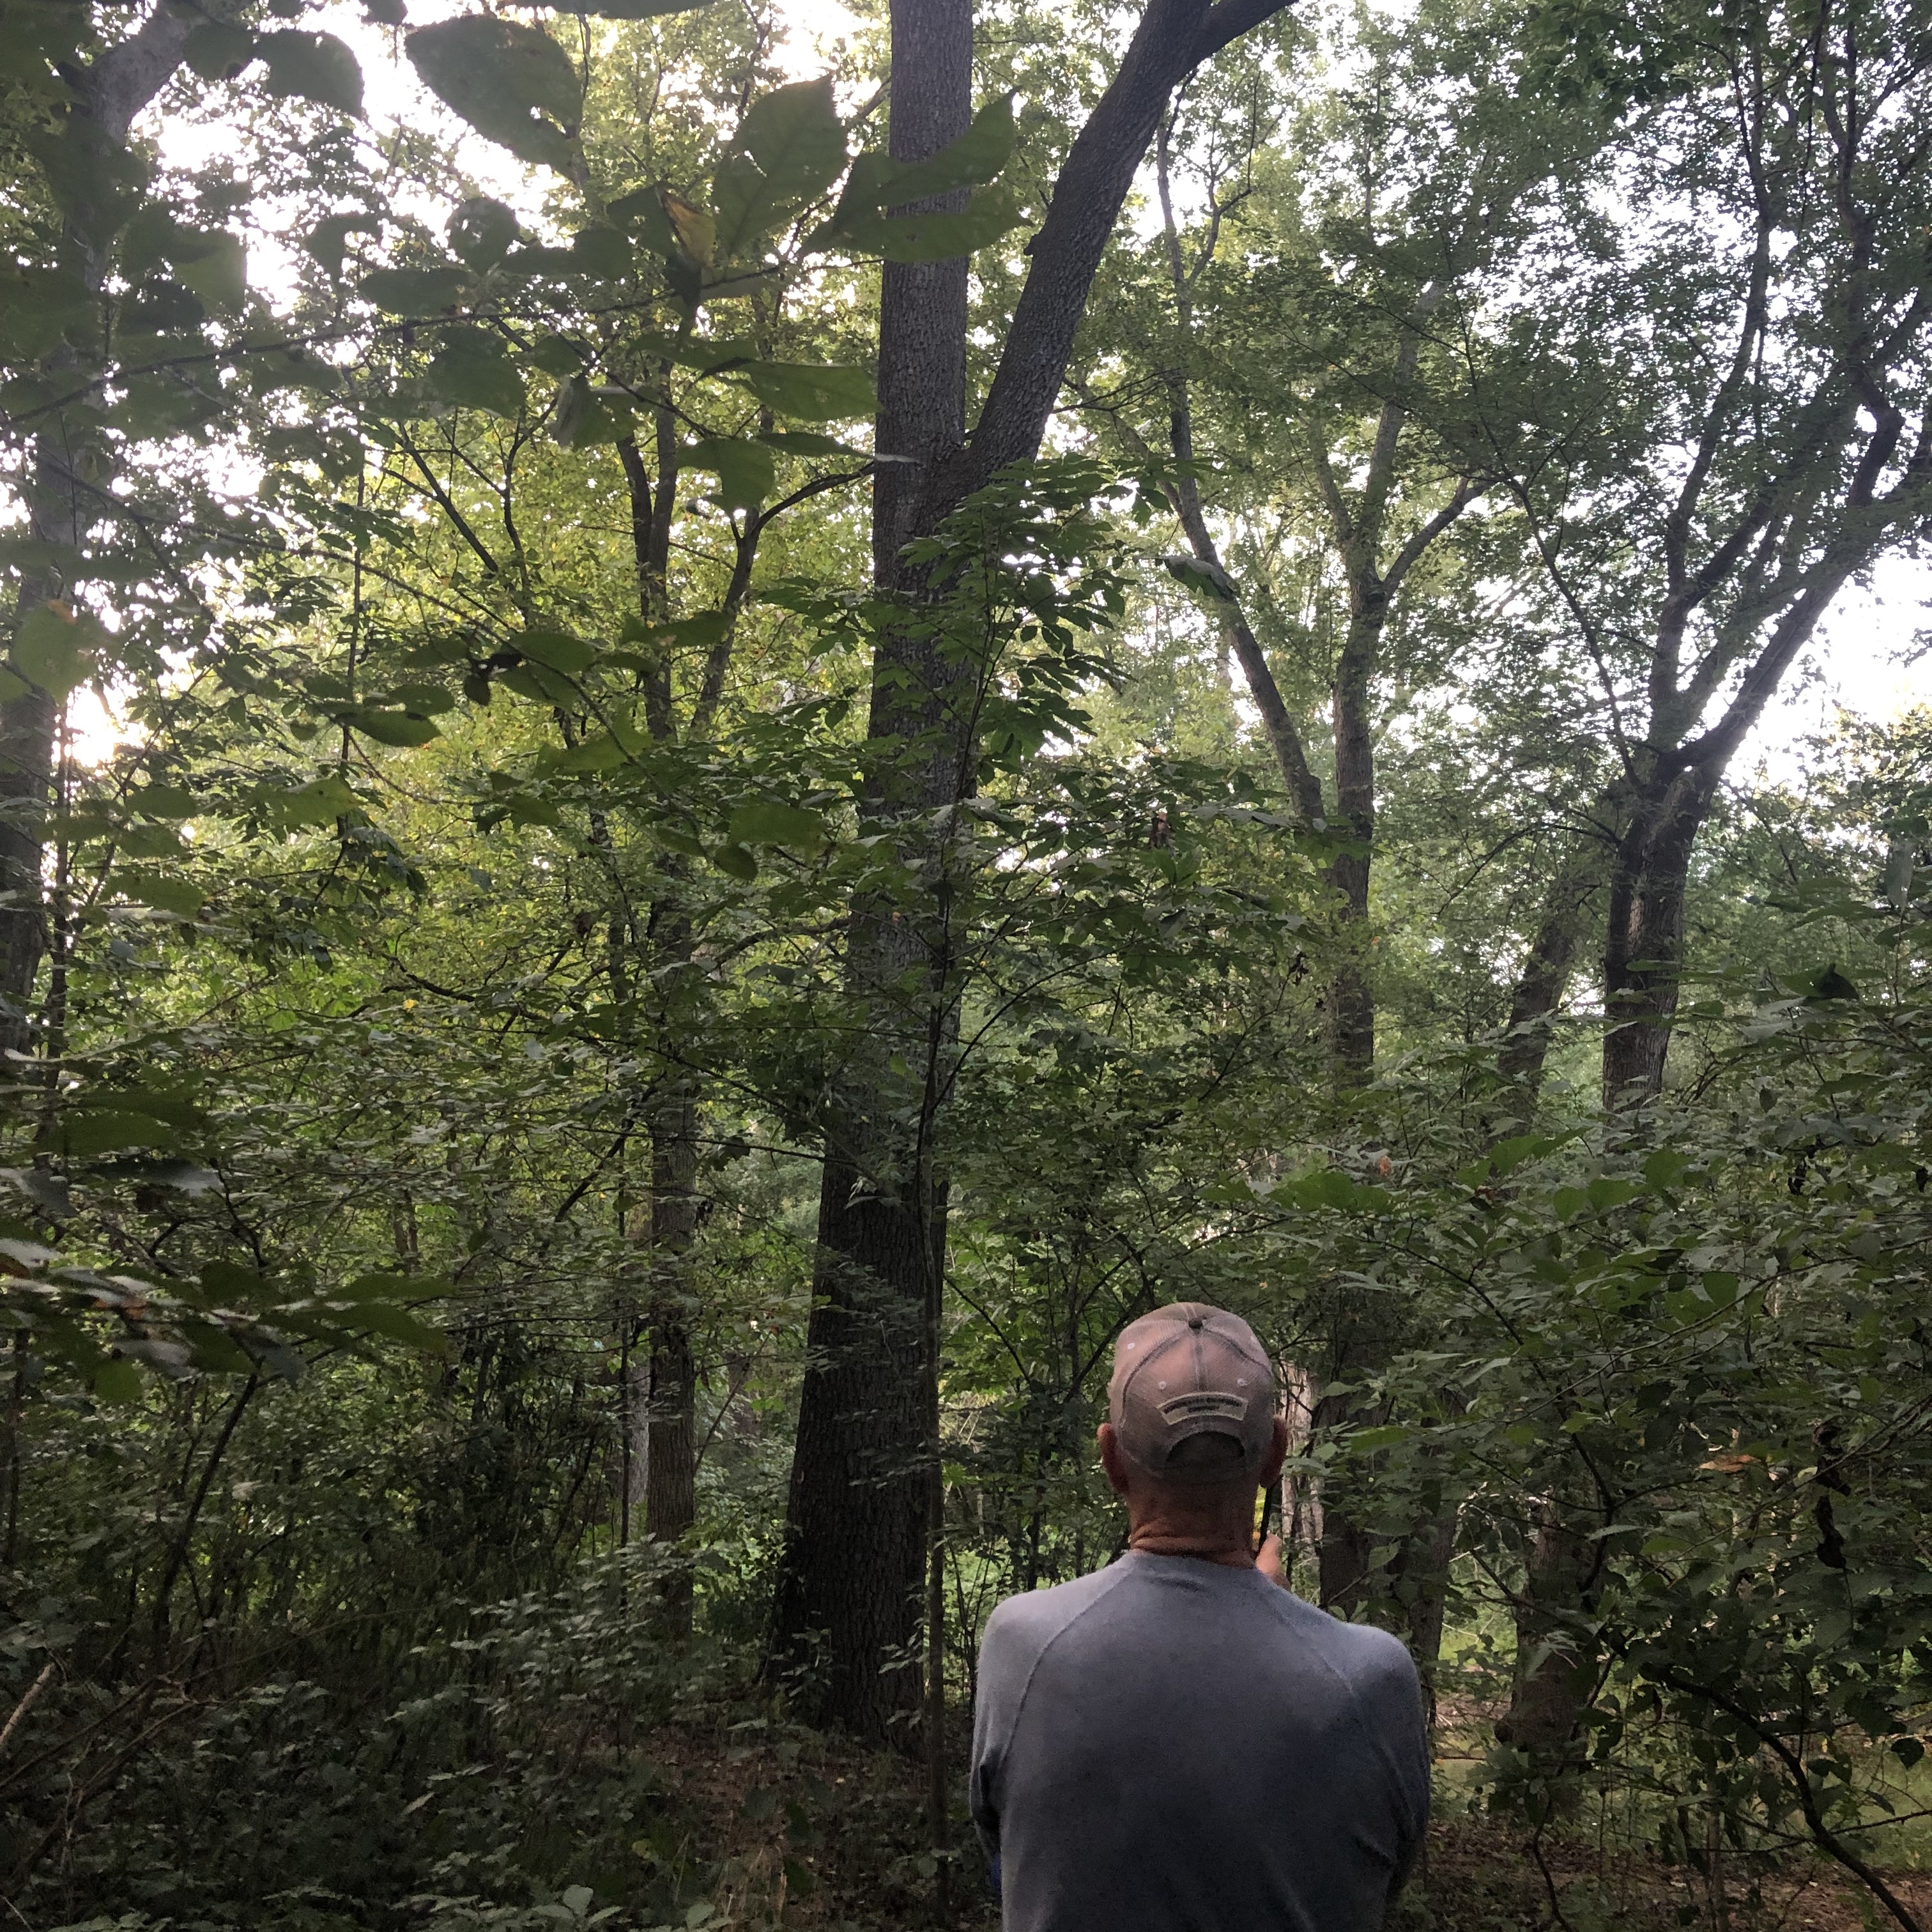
1377, 1742
1039, 1657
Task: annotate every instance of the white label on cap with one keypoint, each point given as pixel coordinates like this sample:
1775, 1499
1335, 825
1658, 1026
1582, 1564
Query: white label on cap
1206, 1402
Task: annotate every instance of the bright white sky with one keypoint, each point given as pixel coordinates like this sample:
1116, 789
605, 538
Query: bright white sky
1861, 662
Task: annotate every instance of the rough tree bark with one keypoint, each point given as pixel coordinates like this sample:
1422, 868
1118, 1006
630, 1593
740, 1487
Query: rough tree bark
1557, 1659
1543, 980
857, 1516
849, 1596
665, 1460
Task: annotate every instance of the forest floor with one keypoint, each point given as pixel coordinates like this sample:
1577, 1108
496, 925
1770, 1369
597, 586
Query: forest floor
818, 1835
814, 1833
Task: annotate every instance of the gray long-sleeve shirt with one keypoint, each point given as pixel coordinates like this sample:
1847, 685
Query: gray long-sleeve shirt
1169, 1745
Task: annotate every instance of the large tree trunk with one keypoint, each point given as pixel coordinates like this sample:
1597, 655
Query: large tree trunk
1557, 1659
851, 1593
1365, 1333
1643, 949
850, 1583
670, 1489
664, 1463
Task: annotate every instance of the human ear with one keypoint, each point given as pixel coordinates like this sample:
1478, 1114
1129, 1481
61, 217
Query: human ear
1277, 1454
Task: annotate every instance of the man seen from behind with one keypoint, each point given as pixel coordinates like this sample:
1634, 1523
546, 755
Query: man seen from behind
1177, 1743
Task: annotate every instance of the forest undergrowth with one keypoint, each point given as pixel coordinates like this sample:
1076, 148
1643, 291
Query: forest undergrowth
589, 1773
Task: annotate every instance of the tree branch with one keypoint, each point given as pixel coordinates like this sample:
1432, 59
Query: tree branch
1467, 491
1173, 37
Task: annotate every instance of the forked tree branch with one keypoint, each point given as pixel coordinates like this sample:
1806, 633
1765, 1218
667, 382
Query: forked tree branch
1173, 38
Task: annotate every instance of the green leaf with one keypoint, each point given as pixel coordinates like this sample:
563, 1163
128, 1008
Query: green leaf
810, 442
420, 700
387, 727
59, 649
544, 687
992, 212
327, 241
149, 841
532, 259
578, 418
557, 651
626, 9
241, 1286
510, 82
215, 267
735, 287
482, 230
160, 890
413, 291
473, 370
789, 148
1330, 1189
115, 1380
312, 67
78, 1134
177, 1109
735, 860
213, 1348
1606, 1193
770, 822
147, 240
556, 356
812, 392
642, 214
605, 252
37, 307
877, 183
402, 1287
977, 157
1365, 1441
96, 179
601, 754
321, 801
217, 51
396, 1324
745, 471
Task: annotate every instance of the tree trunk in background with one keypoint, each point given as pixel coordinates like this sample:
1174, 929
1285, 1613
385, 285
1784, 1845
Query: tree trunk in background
1351, 1007
1543, 980
1342, 1557
670, 1486
1643, 949
110, 94
849, 1586
1557, 1662
856, 1519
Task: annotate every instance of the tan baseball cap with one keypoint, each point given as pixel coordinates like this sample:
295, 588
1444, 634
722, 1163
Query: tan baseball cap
1186, 1370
